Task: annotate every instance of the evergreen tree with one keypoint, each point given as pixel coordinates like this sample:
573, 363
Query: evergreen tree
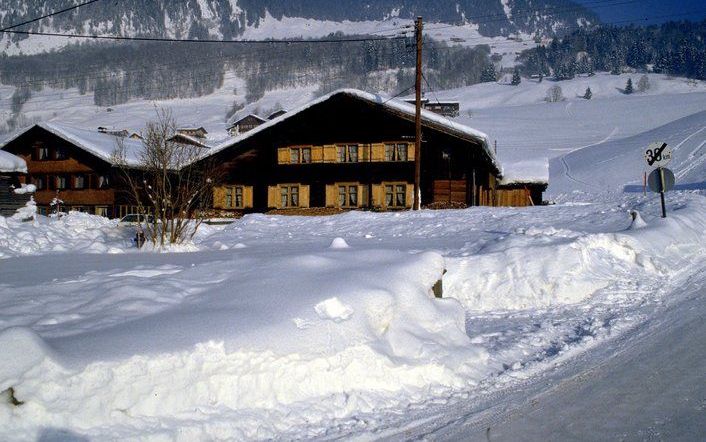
628, 87
488, 74
516, 80
588, 94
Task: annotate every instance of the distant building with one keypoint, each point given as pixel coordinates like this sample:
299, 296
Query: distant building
445, 108
197, 132
245, 124
276, 114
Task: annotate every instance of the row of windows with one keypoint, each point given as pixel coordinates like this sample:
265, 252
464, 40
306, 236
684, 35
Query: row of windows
95, 210
75, 182
349, 153
44, 153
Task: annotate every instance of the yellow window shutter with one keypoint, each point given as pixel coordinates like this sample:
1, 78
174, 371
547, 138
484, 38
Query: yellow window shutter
317, 154
219, 197
378, 152
378, 195
410, 151
303, 196
410, 195
363, 195
331, 195
283, 155
364, 152
247, 197
272, 197
330, 153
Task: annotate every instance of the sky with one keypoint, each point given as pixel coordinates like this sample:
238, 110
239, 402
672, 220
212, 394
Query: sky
656, 11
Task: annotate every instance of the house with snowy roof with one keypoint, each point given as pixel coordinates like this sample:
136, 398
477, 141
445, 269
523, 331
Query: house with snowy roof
245, 124
351, 149
76, 165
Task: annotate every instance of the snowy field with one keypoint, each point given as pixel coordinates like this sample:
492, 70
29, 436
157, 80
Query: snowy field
326, 327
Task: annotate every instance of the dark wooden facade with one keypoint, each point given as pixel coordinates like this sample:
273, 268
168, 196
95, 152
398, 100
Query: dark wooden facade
60, 169
245, 124
302, 154
9, 200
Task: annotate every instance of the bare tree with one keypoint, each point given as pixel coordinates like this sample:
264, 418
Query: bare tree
554, 94
167, 180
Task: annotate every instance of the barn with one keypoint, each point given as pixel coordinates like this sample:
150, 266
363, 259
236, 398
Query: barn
351, 149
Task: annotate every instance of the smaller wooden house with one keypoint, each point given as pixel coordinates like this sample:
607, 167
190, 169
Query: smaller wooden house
523, 183
245, 124
195, 132
276, 114
445, 108
14, 193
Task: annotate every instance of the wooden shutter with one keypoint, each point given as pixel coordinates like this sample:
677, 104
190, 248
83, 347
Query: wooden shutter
378, 195
273, 197
283, 155
378, 152
303, 196
410, 195
219, 197
362, 195
247, 197
410, 151
330, 153
317, 154
364, 152
331, 196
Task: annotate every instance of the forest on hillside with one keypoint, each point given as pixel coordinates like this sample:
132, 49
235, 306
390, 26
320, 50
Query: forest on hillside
115, 74
675, 48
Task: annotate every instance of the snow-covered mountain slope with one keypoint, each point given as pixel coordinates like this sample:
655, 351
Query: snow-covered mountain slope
228, 19
613, 165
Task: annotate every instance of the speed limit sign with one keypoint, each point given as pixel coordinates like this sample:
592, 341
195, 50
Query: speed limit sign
658, 154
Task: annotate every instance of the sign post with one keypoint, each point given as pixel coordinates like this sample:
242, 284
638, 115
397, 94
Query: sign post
661, 179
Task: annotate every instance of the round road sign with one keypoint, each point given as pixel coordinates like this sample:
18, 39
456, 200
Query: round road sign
661, 180
658, 154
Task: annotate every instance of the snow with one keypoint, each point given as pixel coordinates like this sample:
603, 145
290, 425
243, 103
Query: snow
288, 327
10, 163
25, 189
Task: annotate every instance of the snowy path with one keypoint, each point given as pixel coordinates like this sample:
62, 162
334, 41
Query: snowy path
648, 384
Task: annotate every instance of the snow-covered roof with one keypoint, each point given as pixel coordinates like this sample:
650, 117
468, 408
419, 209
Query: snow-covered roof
102, 145
428, 118
526, 172
257, 117
10, 163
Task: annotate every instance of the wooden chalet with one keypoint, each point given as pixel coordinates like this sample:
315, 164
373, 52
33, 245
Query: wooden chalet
13, 194
349, 150
74, 165
245, 124
195, 132
445, 108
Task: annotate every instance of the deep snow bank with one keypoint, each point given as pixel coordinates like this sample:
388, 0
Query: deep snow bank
338, 331
540, 267
76, 232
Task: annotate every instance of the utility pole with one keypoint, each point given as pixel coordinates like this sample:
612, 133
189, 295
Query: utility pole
418, 27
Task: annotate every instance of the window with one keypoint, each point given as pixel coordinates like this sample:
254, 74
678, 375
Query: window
289, 196
300, 155
396, 152
42, 210
39, 182
42, 153
60, 182
234, 197
82, 209
102, 211
103, 182
348, 195
60, 153
396, 195
79, 182
347, 153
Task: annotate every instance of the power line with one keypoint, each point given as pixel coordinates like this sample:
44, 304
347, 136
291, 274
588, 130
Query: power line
195, 40
6, 29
